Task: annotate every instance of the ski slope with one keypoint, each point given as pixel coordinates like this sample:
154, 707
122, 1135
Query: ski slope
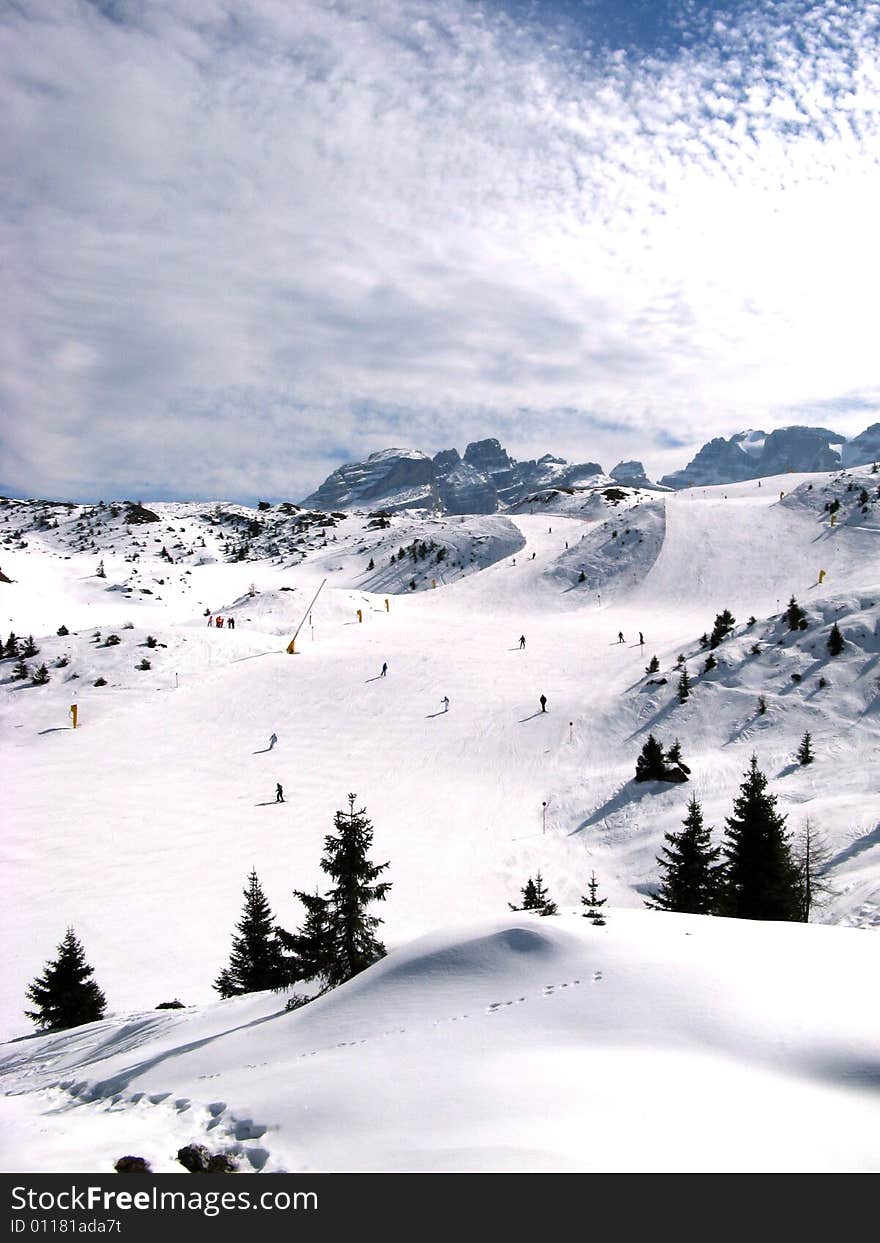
140, 827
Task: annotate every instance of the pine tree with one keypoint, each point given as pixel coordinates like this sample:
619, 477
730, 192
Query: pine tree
684, 685
351, 931
651, 764
653, 665
795, 615
20, 670
761, 879
256, 961
805, 751
674, 757
309, 946
711, 663
693, 878
835, 641
30, 648
593, 903
40, 676
724, 623
64, 995
11, 646
762, 704
535, 897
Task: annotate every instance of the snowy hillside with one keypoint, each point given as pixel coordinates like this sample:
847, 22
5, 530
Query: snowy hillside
140, 827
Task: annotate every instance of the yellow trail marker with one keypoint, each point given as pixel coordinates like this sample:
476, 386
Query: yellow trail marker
360, 616
433, 582
821, 575
833, 519
387, 605
73, 712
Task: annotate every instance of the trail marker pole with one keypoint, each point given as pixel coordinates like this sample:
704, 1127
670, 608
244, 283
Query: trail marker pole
571, 731
544, 817
73, 713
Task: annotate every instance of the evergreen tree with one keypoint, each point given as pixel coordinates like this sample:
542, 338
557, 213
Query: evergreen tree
711, 663
256, 961
653, 665
651, 764
352, 941
835, 641
684, 685
64, 995
692, 879
40, 676
593, 903
11, 646
724, 623
805, 750
795, 615
30, 648
535, 897
674, 756
20, 671
761, 880
309, 946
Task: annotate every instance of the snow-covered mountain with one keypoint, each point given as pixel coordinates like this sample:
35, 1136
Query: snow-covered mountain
500, 1032
485, 480
754, 455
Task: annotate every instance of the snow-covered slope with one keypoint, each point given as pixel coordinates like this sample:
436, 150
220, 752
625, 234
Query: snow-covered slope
140, 827
516, 1044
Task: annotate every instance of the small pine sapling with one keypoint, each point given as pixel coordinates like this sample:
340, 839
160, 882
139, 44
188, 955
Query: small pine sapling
593, 903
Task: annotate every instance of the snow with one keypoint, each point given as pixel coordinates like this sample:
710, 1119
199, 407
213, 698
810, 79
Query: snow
140, 828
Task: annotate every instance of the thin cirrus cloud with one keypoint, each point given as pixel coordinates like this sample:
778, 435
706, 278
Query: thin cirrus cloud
245, 240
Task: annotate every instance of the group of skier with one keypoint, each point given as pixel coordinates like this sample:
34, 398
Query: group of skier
220, 622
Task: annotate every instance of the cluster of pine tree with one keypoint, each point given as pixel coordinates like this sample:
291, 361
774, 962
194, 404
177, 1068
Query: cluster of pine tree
656, 764
753, 875
337, 939
535, 898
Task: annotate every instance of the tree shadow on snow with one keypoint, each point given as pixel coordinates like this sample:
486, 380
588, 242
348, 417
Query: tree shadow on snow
867, 842
624, 796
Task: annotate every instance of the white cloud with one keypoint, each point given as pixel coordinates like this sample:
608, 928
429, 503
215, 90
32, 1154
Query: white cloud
244, 240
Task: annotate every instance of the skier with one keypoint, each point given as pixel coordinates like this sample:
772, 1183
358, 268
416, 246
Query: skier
522, 641
230, 623
272, 740
543, 702
384, 669
279, 793
210, 620
620, 636
445, 703
641, 639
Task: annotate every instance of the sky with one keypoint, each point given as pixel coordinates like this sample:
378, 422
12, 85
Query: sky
245, 242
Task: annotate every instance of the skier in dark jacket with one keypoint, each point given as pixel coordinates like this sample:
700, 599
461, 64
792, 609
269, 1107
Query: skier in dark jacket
384, 669
522, 641
543, 703
279, 793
